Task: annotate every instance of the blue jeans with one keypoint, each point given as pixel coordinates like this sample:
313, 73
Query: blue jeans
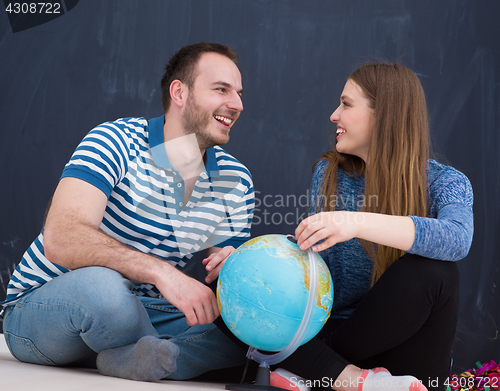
71, 318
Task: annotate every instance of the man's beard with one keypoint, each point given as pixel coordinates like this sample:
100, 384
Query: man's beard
196, 120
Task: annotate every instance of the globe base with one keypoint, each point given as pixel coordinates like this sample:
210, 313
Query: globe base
262, 382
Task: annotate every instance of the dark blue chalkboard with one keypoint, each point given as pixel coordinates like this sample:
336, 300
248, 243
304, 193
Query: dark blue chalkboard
103, 60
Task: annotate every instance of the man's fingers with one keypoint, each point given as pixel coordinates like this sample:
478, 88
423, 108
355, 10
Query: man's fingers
191, 318
198, 304
215, 261
214, 274
206, 313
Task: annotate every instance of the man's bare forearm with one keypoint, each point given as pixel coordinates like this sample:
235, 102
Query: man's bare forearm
76, 245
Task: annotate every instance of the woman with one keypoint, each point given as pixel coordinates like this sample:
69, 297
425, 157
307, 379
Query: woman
387, 220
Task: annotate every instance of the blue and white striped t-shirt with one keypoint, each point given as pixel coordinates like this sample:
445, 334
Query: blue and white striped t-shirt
127, 160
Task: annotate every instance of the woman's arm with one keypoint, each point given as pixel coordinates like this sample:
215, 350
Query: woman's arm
447, 233
335, 227
447, 237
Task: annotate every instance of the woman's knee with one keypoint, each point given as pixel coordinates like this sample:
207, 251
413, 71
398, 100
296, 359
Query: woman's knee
436, 281
416, 268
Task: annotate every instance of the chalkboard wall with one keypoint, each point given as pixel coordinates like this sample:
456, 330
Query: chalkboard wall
103, 60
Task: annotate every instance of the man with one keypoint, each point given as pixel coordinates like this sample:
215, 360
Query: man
135, 202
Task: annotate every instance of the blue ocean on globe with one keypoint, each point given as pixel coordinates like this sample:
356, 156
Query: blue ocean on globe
263, 289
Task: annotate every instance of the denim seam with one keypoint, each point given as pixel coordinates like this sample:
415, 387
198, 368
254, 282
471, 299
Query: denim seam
9, 336
202, 335
67, 307
70, 306
160, 308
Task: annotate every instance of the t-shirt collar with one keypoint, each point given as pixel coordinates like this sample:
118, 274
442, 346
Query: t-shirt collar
160, 155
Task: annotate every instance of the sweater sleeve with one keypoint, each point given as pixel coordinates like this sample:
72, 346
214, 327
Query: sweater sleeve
447, 233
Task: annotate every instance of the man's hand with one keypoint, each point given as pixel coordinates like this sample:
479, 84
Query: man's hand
214, 262
194, 299
191, 297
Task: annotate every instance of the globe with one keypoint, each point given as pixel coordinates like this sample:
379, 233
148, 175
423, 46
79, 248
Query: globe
263, 289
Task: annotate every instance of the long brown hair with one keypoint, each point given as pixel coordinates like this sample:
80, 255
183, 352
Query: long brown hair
398, 152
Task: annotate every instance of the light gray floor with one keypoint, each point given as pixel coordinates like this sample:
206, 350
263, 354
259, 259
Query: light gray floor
18, 376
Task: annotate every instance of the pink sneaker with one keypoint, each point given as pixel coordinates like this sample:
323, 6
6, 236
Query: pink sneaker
379, 379
281, 378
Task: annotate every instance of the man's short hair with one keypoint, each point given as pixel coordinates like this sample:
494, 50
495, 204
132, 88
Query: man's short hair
182, 66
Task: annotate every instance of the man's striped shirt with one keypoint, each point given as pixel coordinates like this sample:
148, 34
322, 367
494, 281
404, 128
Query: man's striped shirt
126, 159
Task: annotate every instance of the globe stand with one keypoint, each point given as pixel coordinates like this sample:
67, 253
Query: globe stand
262, 382
263, 377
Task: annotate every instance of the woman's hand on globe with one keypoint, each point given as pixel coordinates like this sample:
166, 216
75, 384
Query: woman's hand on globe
336, 227
331, 227
214, 262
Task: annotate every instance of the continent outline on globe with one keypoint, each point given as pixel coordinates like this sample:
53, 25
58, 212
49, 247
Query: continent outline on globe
263, 289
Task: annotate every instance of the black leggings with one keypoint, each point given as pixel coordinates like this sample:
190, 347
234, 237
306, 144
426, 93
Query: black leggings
405, 323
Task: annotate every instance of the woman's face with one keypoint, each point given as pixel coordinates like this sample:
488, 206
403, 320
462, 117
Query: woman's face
354, 118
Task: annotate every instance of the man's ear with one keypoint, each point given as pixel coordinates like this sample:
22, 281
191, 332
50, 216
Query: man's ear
178, 93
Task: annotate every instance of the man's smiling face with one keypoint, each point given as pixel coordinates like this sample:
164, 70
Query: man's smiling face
214, 102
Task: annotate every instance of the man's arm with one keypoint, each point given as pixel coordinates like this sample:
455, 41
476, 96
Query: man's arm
72, 239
